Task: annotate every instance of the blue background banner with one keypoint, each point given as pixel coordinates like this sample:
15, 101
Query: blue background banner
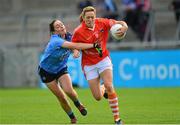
147, 68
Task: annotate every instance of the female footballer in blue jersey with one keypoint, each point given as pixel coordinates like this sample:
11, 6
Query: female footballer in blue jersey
53, 67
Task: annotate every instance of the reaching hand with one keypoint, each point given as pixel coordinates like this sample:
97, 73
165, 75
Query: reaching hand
99, 51
76, 53
97, 46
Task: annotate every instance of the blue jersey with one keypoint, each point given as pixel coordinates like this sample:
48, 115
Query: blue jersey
55, 57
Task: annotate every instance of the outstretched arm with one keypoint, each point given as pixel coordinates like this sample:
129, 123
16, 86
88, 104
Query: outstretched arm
80, 46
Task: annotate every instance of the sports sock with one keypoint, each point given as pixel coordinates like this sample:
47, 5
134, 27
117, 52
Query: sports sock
113, 103
71, 115
77, 103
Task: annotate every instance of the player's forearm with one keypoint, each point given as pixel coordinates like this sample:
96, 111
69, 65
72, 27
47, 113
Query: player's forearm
79, 46
82, 46
124, 24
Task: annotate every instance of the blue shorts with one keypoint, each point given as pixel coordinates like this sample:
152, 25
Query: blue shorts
47, 77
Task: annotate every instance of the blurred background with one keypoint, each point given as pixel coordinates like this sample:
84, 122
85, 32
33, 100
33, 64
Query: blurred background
148, 56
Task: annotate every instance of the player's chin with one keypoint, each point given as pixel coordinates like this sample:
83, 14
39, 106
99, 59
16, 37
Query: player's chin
90, 25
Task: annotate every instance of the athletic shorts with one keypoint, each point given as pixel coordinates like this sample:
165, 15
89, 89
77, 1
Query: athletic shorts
47, 77
93, 71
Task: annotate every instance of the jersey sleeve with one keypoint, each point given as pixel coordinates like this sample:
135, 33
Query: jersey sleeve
58, 42
107, 22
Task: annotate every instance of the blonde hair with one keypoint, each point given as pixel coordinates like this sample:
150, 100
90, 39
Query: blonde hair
86, 9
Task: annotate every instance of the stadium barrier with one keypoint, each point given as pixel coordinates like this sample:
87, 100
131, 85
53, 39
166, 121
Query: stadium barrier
148, 68
18, 67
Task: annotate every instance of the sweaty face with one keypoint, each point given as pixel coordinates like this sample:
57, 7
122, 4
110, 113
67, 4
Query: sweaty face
89, 18
59, 28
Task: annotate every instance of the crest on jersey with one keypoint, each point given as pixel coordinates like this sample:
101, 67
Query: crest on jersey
101, 30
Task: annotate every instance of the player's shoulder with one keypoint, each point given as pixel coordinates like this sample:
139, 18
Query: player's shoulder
101, 19
78, 28
55, 38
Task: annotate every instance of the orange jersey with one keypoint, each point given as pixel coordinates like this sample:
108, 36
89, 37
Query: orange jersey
99, 33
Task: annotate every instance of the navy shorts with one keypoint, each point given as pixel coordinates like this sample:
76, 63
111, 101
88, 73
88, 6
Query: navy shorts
47, 77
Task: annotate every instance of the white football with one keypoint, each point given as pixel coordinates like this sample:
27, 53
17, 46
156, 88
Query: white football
114, 30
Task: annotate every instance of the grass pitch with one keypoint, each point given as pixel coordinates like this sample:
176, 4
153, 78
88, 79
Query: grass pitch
137, 106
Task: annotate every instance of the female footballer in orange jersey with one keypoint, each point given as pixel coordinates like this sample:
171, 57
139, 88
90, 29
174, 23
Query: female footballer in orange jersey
97, 66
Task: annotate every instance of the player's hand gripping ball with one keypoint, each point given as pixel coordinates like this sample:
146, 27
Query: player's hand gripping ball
114, 30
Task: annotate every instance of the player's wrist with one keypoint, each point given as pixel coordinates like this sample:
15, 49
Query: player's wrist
95, 45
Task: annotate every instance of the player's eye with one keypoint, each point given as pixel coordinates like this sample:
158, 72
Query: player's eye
61, 25
90, 17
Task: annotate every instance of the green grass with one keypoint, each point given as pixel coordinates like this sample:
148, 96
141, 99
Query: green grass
137, 106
